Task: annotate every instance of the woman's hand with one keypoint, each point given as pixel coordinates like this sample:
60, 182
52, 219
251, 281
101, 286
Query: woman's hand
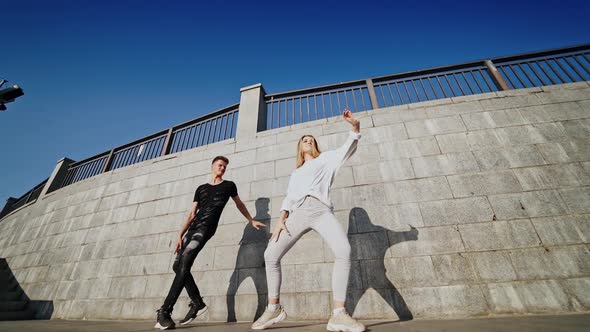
278, 229
347, 115
178, 245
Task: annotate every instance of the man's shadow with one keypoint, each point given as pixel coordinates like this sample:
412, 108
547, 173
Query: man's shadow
369, 244
250, 261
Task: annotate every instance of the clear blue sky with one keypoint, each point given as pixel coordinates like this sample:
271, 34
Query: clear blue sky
98, 74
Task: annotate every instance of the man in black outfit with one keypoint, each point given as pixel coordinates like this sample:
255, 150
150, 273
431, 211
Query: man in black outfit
197, 229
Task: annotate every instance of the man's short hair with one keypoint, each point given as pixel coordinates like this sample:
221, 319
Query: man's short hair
220, 158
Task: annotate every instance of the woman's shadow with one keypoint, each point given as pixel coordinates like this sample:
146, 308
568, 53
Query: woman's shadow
369, 244
250, 261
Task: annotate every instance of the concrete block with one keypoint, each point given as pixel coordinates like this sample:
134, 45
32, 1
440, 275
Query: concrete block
400, 271
509, 157
545, 263
313, 277
373, 218
124, 213
553, 112
269, 187
499, 235
187, 171
392, 170
547, 177
127, 287
562, 230
276, 152
445, 301
372, 303
456, 142
494, 119
364, 152
418, 147
114, 201
543, 296
390, 133
284, 167
453, 269
296, 132
456, 211
492, 266
532, 134
373, 245
456, 108
565, 152
158, 285
99, 289
382, 119
169, 189
426, 241
316, 305
509, 102
214, 283
418, 190
451, 163
528, 204
483, 139
563, 95
444, 125
344, 178
577, 199
483, 183
580, 289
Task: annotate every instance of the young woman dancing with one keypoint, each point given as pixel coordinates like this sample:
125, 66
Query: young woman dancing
308, 206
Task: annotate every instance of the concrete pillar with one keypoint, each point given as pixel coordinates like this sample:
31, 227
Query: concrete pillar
252, 114
58, 176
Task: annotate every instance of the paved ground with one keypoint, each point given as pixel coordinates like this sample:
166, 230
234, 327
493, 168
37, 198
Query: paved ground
569, 323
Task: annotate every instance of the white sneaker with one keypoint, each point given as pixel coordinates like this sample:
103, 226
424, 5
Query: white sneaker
343, 322
269, 318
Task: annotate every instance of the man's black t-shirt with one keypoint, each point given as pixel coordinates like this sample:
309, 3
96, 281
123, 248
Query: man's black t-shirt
212, 200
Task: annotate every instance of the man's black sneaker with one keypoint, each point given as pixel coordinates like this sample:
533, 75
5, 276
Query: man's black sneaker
195, 310
164, 321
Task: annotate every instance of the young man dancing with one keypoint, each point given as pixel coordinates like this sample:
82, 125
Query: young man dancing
200, 225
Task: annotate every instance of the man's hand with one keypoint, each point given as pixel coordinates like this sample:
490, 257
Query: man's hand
257, 224
178, 246
278, 229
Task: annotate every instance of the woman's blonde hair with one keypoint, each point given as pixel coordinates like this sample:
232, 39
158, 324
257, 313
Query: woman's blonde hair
315, 150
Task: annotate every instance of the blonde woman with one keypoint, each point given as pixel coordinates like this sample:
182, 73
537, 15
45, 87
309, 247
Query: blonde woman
308, 206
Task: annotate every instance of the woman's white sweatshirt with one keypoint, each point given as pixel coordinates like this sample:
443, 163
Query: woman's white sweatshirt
315, 176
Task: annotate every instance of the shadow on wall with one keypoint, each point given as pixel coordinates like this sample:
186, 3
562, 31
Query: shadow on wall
369, 244
14, 303
250, 261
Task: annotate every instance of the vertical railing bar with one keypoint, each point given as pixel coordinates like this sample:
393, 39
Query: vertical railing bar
564, 69
574, 68
442, 88
545, 72
538, 74
521, 67
582, 65
424, 89
416, 90
506, 76
468, 84
476, 82
450, 85
517, 77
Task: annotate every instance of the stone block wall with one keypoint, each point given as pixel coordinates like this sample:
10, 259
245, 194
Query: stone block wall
459, 207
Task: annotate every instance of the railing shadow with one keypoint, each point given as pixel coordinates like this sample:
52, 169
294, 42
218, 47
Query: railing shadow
250, 261
14, 302
369, 245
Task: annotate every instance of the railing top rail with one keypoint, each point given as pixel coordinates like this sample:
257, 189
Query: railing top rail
421, 72
206, 116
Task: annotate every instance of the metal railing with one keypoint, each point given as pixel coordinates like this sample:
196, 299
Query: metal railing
30, 196
563, 65
556, 66
207, 129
